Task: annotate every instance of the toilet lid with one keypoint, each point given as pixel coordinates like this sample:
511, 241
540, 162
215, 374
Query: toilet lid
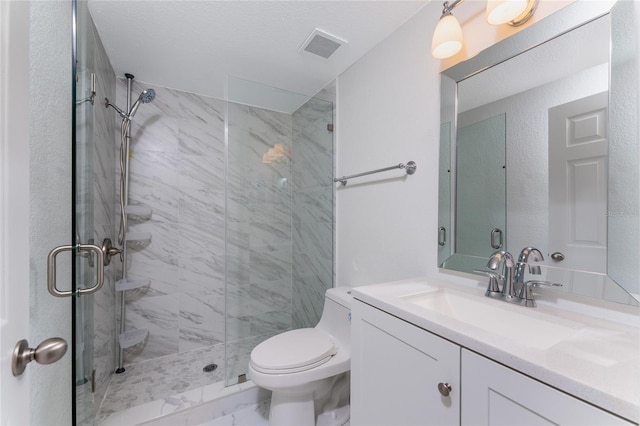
293, 349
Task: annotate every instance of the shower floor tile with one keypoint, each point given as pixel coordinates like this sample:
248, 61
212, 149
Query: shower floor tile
160, 378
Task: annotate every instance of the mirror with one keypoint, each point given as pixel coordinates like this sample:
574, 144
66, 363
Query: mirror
539, 147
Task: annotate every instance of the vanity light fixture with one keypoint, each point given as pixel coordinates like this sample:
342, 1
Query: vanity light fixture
447, 37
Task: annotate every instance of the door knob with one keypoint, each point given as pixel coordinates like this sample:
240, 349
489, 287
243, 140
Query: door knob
557, 256
47, 352
444, 388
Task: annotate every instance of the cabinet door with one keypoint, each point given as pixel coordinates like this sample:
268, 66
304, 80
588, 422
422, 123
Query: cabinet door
496, 395
395, 371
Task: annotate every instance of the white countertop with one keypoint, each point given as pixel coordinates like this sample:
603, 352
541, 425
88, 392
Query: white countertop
599, 364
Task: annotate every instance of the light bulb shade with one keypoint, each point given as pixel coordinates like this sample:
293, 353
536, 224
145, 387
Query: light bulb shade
503, 11
447, 38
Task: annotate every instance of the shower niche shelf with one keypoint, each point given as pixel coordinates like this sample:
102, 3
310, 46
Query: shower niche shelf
132, 338
127, 284
138, 212
138, 238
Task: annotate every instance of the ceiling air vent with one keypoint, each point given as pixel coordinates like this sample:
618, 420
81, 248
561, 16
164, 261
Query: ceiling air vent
321, 43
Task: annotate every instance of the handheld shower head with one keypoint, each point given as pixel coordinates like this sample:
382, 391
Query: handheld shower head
145, 97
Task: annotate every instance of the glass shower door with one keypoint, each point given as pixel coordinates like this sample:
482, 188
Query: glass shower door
83, 216
279, 216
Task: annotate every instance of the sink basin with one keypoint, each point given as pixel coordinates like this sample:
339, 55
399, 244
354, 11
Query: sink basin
526, 327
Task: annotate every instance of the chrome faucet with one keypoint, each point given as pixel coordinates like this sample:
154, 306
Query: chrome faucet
523, 260
505, 259
506, 277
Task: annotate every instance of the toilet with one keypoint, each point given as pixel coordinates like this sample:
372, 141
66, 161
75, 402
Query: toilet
307, 369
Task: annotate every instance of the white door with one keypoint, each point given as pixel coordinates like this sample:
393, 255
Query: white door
35, 204
578, 184
14, 207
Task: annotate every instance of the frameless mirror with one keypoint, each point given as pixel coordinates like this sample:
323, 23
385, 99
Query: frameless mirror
539, 147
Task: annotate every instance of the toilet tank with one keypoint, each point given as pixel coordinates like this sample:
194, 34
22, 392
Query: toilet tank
336, 315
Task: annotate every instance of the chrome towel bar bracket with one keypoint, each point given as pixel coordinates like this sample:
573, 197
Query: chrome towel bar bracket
410, 168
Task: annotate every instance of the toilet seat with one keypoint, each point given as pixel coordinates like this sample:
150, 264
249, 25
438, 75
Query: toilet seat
293, 352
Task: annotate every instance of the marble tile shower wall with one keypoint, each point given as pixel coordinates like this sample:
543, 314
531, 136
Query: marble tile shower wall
177, 169
259, 246
104, 219
312, 212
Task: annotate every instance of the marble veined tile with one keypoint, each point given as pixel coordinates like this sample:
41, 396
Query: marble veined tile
160, 315
270, 266
201, 319
313, 240
193, 406
313, 207
255, 415
273, 322
201, 249
308, 299
271, 296
204, 109
198, 137
164, 244
153, 181
270, 236
174, 380
164, 277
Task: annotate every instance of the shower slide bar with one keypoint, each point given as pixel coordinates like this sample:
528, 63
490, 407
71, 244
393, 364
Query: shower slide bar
410, 168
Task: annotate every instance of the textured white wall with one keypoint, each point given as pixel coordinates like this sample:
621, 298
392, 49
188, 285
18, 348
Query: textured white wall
388, 112
50, 202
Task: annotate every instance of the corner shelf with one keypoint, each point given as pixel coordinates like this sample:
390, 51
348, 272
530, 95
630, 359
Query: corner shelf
138, 211
127, 284
138, 239
132, 338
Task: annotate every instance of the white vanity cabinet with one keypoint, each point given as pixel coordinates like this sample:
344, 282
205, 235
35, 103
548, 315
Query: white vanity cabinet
493, 394
396, 368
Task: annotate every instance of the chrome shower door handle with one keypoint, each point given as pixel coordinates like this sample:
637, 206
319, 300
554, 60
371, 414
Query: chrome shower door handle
51, 270
496, 232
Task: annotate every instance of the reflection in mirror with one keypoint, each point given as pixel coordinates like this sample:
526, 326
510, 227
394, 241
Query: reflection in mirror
623, 261
571, 185
481, 215
444, 193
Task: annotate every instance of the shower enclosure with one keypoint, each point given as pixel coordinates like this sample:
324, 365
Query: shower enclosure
279, 216
241, 246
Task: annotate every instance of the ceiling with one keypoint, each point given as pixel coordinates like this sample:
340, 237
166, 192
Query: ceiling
193, 45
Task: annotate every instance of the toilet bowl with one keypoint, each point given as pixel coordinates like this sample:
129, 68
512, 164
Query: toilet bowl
307, 369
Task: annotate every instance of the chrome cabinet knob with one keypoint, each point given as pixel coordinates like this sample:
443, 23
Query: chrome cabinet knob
557, 256
47, 352
444, 388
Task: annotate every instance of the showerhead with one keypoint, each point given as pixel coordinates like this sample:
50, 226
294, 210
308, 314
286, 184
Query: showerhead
145, 97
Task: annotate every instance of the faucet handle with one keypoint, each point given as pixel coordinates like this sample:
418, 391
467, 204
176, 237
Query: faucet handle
526, 295
537, 283
493, 290
535, 270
